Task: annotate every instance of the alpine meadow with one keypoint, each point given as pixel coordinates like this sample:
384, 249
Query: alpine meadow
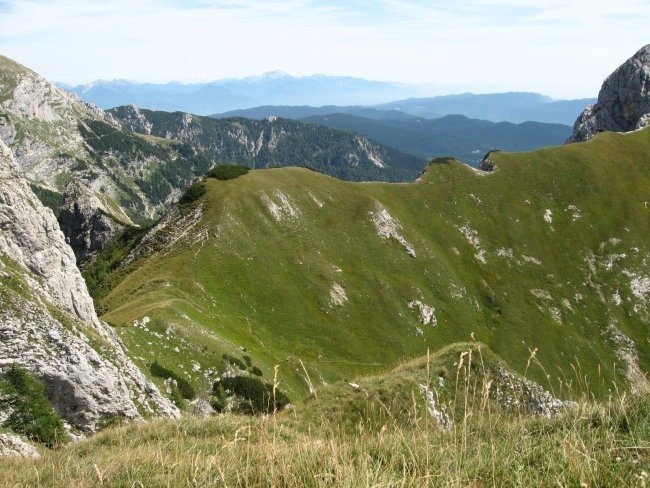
192, 300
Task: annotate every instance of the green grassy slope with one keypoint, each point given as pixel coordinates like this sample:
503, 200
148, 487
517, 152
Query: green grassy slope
549, 252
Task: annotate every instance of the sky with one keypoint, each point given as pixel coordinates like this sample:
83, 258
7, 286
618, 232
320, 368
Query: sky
561, 48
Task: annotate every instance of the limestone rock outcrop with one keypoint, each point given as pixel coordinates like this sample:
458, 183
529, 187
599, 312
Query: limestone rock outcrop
48, 323
14, 446
53, 136
39, 122
134, 120
86, 221
623, 102
30, 236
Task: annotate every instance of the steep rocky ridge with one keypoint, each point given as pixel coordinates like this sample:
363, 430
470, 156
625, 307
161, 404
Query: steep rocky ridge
87, 221
276, 142
47, 320
54, 136
623, 102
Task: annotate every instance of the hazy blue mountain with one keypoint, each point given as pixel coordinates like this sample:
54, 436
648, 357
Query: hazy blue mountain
283, 95
497, 107
453, 135
513, 107
274, 88
172, 96
304, 111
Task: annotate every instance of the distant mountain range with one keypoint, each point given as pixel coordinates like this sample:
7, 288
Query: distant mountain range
298, 112
453, 135
512, 107
275, 88
298, 97
473, 125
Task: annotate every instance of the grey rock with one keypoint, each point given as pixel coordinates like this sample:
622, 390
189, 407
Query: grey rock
517, 393
30, 235
48, 131
486, 164
48, 323
134, 120
623, 102
86, 221
14, 446
201, 408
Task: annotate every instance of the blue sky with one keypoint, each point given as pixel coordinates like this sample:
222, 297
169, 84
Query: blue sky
561, 48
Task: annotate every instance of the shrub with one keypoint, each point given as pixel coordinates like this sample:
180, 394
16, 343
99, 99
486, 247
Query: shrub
219, 398
49, 198
175, 394
184, 388
227, 171
32, 415
256, 371
193, 193
257, 396
442, 160
238, 363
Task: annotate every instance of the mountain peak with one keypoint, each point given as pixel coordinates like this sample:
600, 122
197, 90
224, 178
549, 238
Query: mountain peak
269, 75
276, 74
623, 102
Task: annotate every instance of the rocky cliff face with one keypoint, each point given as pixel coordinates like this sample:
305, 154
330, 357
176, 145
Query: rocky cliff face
134, 120
47, 320
31, 237
54, 136
623, 102
86, 221
39, 122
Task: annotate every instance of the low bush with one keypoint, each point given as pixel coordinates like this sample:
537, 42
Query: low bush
256, 396
193, 193
233, 361
184, 388
32, 415
227, 171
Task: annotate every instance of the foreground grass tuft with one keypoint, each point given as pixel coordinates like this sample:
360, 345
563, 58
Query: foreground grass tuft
338, 437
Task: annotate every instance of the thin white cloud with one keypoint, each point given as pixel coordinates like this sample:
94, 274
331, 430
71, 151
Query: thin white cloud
562, 48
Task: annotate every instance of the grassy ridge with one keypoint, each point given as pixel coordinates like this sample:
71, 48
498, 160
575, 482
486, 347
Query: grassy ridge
542, 254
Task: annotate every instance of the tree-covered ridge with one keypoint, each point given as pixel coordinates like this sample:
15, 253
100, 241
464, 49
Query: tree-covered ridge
275, 142
454, 135
160, 169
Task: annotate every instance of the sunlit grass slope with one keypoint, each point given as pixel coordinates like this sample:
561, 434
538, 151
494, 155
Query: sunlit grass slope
548, 252
374, 433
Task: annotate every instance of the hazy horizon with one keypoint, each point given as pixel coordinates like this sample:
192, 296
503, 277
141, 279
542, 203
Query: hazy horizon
557, 48
424, 89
